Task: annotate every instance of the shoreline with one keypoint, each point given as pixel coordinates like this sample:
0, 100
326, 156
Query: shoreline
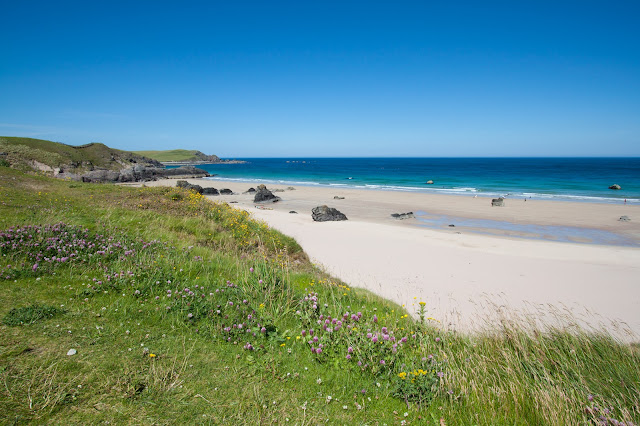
466, 278
434, 190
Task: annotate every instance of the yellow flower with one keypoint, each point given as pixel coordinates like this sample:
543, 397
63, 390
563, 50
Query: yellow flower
284, 344
152, 355
422, 303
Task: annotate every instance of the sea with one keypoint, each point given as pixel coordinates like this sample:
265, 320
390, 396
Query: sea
571, 179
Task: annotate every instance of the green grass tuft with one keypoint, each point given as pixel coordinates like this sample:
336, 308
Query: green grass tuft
30, 314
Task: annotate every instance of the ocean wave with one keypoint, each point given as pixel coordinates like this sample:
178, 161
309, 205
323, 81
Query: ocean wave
462, 191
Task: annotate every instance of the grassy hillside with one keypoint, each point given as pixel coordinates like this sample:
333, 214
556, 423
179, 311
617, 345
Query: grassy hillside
25, 153
156, 306
176, 155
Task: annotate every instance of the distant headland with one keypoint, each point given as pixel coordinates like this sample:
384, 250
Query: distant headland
96, 162
184, 157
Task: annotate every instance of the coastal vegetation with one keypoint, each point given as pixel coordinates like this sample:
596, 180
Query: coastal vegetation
179, 155
156, 305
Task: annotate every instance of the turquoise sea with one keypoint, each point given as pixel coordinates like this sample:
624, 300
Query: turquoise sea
575, 179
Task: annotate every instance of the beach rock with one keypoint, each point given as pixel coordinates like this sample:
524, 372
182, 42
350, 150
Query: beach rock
624, 219
277, 190
326, 214
210, 191
263, 195
226, 191
250, 191
190, 187
291, 188
293, 212
429, 182
452, 226
615, 186
401, 216
137, 173
497, 202
338, 198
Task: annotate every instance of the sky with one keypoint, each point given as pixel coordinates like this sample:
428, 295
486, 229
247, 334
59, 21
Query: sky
326, 79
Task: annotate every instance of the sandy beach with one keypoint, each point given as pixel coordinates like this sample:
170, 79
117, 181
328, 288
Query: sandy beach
472, 273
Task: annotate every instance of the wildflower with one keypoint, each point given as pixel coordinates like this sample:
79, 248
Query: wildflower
319, 381
437, 339
152, 355
440, 374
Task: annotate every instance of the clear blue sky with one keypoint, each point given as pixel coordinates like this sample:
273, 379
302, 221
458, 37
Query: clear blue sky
324, 78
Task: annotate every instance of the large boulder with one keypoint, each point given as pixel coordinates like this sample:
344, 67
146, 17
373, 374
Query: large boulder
189, 186
226, 191
325, 214
497, 202
263, 195
210, 191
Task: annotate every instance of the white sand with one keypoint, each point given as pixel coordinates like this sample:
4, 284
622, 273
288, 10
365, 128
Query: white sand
464, 276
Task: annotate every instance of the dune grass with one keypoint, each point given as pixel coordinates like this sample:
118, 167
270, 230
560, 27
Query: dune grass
184, 310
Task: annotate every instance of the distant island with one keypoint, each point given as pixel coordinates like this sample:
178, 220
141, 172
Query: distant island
181, 157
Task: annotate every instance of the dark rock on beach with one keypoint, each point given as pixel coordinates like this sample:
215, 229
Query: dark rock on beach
189, 186
326, 214
401, 216
210, 191
497, 202
338, 198
293, 212
226, 191
624, 219
263, 195
615, 186
250, 191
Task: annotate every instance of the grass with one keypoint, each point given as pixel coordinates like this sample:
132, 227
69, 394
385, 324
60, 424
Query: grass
174, 155
183, 310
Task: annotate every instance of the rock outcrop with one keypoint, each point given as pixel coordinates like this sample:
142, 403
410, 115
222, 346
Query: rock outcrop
137, 173
615, 186
326, 214
226, 191
497, 202
263, 195
429, 182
